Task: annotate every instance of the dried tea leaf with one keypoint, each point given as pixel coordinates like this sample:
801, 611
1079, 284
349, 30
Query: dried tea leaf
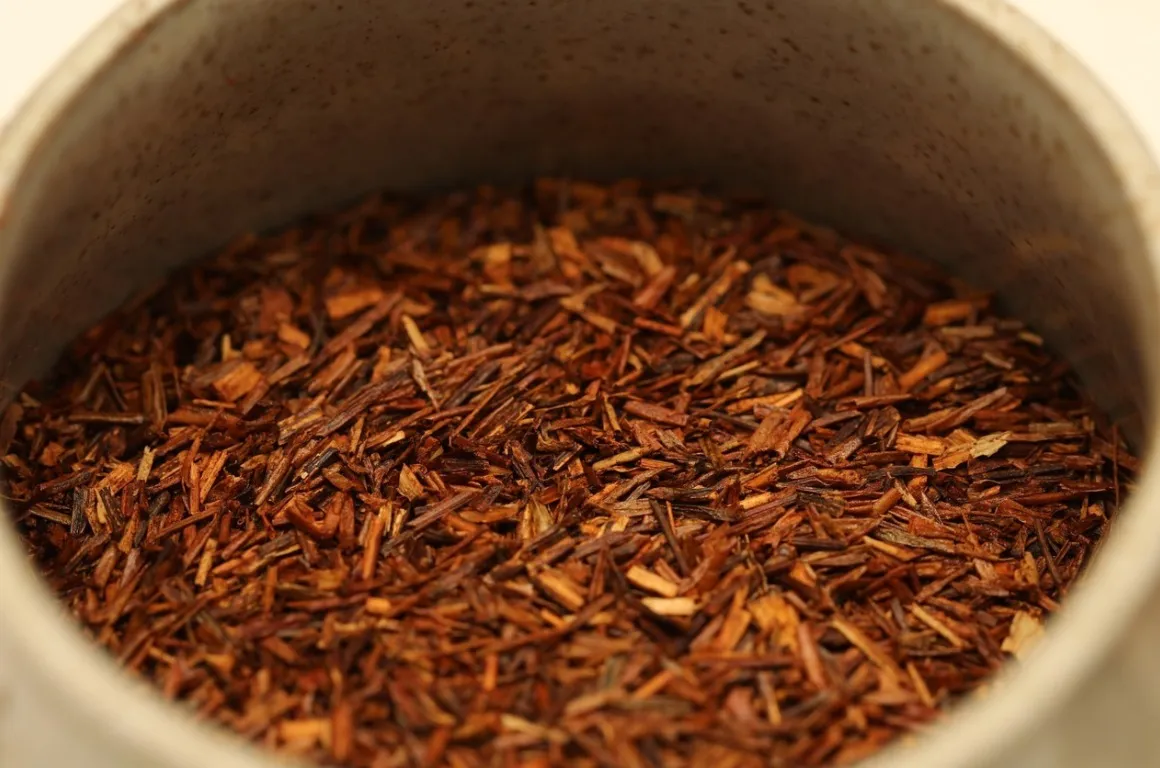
1025, 633
989, 445
770, 299
236, 379
930, 446
353, 301
647, 580
777, 617
670, 606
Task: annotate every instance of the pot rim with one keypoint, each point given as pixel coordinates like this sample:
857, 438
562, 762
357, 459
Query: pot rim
1098, 612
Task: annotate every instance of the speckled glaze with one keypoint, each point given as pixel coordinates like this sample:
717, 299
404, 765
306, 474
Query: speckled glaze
951, 128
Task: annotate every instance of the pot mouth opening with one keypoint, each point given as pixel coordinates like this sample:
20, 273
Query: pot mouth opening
1114, 587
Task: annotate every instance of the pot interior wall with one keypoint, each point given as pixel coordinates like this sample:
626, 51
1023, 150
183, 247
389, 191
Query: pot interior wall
888, 119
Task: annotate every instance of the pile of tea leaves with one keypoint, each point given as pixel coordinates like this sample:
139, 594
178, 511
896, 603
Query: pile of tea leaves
589, 475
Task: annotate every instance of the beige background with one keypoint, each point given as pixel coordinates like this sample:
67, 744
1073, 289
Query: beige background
1112, 36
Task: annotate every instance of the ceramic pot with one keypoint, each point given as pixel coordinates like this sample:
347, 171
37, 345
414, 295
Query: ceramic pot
954, 129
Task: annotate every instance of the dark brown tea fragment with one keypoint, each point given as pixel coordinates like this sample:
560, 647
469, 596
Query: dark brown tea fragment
596, 475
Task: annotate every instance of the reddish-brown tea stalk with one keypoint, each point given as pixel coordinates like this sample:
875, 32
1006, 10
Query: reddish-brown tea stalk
594, 475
